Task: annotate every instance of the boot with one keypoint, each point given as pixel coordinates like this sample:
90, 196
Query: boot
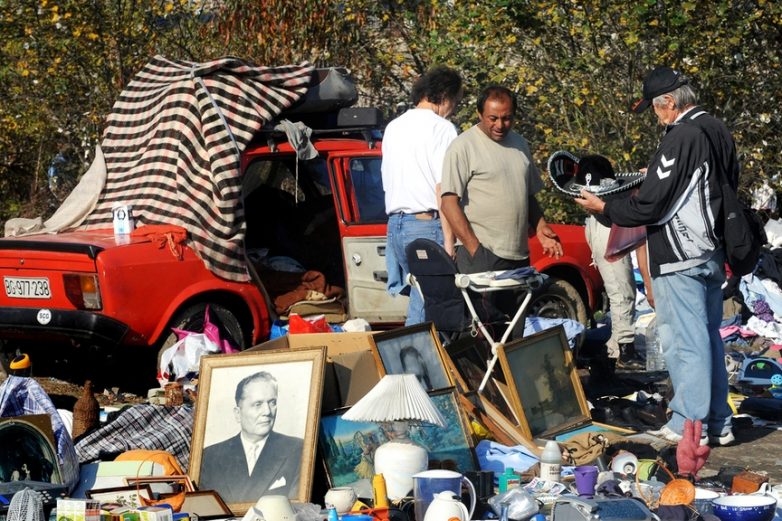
629, 359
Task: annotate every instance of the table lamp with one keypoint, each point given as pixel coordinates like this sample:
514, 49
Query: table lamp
398, 400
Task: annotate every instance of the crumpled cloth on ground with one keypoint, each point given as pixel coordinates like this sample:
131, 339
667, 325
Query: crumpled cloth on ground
771, 330
573, 328
163, 235
144, 426
762, 310
286, 288
22, 396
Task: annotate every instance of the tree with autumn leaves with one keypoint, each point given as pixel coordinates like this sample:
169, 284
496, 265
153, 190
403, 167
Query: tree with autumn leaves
576, 65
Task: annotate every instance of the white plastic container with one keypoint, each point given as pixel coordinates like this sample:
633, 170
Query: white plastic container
551, 461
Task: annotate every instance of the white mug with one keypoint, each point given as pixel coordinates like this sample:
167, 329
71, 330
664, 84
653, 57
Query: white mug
340, 498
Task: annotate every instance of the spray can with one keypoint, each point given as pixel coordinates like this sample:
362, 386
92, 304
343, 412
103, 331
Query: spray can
379, 494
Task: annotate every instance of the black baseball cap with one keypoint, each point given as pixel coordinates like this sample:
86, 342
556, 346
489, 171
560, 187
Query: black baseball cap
660, 81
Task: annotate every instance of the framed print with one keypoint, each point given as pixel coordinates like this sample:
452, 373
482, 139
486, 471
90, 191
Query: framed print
544, 386
256, 423
121, 496
467, 357
348, 447
502, 429
173, 484
207, 504
413, 350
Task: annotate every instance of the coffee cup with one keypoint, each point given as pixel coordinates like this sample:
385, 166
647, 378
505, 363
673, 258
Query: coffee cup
586, 479
340, 498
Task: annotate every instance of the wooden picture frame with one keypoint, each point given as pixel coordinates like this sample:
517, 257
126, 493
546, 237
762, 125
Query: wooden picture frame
207, 504
468, 364
282, 410
348, 447
121, 496
172, 484
413, 350
545, 389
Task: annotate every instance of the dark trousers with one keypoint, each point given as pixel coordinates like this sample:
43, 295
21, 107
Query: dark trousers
494, 306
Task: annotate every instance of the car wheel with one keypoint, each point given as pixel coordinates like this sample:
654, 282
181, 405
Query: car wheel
558, 299
192, 319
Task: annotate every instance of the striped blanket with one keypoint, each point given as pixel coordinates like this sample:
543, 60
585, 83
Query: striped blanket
172, 146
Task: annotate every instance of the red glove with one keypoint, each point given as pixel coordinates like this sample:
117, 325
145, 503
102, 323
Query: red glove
690, 455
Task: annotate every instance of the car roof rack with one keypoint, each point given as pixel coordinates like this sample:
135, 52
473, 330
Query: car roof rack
366, 122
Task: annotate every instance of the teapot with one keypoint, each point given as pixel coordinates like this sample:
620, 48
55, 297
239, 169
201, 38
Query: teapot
446, 505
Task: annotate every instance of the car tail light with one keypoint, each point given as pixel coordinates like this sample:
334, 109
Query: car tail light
82, 290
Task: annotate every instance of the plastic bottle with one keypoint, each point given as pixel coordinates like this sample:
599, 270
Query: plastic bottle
551, 461
380, 496
654, 354
504, 508
509, 480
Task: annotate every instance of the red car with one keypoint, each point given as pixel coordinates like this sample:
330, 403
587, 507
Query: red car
88, 288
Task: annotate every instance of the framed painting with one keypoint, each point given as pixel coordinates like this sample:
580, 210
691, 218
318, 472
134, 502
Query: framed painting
544, 387
413, 350
206, 504
256, 424
348, 447
467, 357
129, 496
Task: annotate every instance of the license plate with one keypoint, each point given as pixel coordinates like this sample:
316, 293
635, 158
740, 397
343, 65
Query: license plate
24, 287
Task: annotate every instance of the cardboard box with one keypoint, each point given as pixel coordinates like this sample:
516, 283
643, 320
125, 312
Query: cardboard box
78, 510
155, 514
350, 371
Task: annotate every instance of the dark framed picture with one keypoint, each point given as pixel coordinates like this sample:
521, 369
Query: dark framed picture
129, 496
256, 424
348, 447
207, 504
468, 357
413, 350
545, 390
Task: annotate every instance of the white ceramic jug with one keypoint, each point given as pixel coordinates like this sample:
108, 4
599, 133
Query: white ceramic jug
445, 506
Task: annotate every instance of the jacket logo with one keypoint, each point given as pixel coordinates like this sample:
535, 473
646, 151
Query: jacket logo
666, 163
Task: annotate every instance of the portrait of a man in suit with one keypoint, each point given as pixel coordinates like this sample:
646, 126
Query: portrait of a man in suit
257, 461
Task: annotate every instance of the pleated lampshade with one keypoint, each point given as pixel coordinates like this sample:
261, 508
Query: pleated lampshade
396, 397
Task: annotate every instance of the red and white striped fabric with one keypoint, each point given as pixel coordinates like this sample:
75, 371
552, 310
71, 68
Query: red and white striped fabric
172, 146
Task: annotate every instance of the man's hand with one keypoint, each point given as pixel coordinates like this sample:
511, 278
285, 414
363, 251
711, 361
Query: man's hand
590, 202
549, 240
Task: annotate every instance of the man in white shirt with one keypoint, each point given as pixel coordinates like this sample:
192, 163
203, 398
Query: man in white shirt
414, 146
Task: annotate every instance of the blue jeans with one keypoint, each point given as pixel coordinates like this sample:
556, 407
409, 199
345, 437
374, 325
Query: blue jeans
402, 230
689, 313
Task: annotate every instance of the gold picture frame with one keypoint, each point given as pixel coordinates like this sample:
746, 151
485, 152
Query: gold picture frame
545, 390
287, 382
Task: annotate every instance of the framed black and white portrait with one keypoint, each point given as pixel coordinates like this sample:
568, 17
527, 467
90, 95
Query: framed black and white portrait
413, 350
256, 424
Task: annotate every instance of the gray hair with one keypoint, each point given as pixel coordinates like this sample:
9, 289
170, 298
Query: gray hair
260, 375
683, 96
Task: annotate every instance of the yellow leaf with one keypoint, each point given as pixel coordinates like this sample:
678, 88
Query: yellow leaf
531, 89
626, 156
25, 72
92, 36
548, 131
578, 101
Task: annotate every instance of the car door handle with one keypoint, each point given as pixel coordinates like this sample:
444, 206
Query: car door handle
380, 276
381, 250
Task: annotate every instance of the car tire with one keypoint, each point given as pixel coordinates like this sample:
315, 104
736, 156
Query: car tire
192, 319
558, 299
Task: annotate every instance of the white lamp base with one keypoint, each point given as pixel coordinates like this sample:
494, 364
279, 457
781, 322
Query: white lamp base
398, 461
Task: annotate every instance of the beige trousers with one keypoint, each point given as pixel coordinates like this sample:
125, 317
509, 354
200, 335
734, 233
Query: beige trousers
619, 285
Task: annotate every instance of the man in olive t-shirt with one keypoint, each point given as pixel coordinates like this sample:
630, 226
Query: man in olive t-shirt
488, 195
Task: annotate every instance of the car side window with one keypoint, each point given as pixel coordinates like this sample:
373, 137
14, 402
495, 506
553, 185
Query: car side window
368, 189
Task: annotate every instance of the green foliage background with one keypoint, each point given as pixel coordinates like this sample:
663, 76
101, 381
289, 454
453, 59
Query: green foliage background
576, 65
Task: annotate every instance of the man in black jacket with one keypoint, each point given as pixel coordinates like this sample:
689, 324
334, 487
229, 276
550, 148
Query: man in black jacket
680, 202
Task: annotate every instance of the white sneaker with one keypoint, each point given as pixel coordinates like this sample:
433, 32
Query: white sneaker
668, 434
723, 439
